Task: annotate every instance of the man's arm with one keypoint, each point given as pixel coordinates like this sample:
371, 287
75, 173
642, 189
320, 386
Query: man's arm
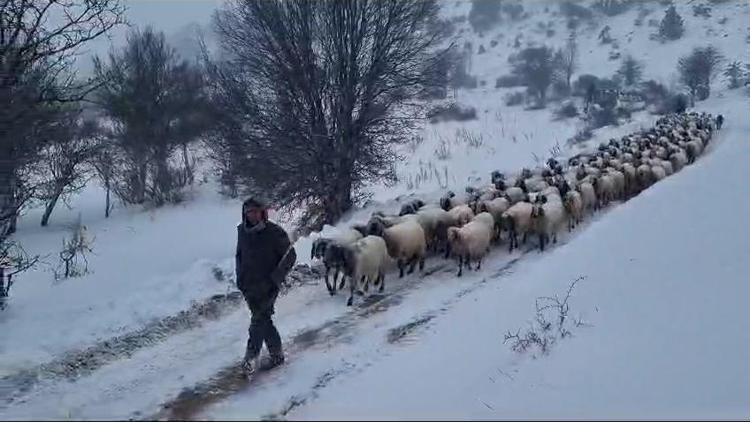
288, 258
237, 260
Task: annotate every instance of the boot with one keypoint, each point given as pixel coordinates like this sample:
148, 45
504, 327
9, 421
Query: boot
274, 360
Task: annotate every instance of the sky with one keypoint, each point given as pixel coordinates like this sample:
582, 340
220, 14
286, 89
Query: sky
169, 16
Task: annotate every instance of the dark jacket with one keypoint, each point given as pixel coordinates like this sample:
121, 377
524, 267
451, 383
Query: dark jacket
263, 259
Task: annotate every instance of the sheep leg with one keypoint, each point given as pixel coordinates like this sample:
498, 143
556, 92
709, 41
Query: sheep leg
541, 242
362, 280
421, 263
328, 284
513, 241
447, 250
412, 264
366, 280
479, 264
554, 238
401, 265
460, 265
343, 281
351, 292
381, 278
335, 279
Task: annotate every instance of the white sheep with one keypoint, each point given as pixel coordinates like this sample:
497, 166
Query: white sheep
472, 241
645, 176
405, 242
658, 172
515, 195
631, 179
366, 260
496, 208
517, 220
461, 215
574, 206
547, 219
678, 159
588, 196
605, 189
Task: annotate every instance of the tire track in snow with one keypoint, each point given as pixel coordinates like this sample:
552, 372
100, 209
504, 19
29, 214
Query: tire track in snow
229, 381
79, 363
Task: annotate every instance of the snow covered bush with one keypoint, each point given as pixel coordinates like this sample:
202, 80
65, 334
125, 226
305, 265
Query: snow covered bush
451, 112
671, 26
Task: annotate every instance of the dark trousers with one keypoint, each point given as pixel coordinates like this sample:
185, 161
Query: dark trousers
261, 327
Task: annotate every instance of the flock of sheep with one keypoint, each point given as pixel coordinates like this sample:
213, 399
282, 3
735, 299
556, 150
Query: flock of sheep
537, 202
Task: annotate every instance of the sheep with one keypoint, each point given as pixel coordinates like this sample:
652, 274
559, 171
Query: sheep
667, 166
631, 179
694, 148
573, 203
411, 207
645, 176
658, 172
515, 195
588, 196
533, 184
405, 243
472, 241
366, 261
618, 178
496, 208
321, 249
461, 215
605, 189
434, 222
679, 160
547, 218
450, 200
517, 220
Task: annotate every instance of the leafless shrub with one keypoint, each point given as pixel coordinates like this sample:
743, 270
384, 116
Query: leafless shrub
469, 138
549, 326
443, 150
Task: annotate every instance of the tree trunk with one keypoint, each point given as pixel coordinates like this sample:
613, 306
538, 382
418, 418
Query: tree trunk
51, 206
106, 209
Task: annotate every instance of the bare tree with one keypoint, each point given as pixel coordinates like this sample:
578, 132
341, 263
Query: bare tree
536, 66
63, 163
38, 42
566, 60
155, 102
698, 69
318, 93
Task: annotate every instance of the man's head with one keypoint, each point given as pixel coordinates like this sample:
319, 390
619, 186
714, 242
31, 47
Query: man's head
254, 210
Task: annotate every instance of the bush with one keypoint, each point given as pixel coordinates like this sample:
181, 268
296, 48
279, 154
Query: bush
515, 98
601, 116
560, 90
536, 66
484, 14
572, 10
734, 75
584, 85
481, 49
566, 111
493, 43
509, 81
671, 26
630, 71
513, 10
697, 69
451, 112
702, 10
612, 7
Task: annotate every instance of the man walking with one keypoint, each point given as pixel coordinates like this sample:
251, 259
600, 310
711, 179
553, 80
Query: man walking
264, 257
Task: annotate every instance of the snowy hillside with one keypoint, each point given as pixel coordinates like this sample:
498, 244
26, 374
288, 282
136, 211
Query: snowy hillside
159, 318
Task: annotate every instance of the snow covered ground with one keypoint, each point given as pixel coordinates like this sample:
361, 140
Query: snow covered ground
666, 325
662, 301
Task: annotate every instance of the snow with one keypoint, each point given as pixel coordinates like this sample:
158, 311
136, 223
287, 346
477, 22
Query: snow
663, 288
664, 294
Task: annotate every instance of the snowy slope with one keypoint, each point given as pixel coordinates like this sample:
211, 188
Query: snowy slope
150, 265
663, 301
